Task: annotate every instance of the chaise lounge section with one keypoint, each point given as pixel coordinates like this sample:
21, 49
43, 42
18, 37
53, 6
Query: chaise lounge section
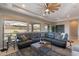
26, 39
57, 39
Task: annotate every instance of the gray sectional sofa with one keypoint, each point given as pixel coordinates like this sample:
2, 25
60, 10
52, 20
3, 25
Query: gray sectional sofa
26, 39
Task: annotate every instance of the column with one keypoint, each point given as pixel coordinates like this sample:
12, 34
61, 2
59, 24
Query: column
42, 27
27, 27
50, 28
1, 33
78, 29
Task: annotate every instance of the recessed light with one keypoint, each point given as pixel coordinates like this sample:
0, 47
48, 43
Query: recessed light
43, 14
23, 5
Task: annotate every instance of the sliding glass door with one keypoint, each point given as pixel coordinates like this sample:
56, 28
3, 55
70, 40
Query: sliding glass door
58, 28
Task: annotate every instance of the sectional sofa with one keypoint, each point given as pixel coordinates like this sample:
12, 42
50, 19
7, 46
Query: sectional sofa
26, 39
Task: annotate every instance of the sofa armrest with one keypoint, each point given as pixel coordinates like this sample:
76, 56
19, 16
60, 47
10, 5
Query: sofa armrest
18, 40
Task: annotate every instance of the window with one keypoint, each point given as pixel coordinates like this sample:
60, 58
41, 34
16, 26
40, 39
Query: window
36, 28
14, 26
59, 28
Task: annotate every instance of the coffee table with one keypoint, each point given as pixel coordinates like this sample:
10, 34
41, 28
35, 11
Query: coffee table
41, 48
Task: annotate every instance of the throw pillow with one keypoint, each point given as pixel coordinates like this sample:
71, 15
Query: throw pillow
63, 35
24, 38
58, 36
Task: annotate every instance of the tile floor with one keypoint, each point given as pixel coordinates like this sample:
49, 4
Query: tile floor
57, 49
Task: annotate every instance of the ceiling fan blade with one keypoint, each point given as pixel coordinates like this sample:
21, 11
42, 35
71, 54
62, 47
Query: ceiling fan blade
54, 8
53, 5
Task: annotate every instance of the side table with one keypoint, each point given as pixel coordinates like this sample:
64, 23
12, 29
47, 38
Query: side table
70, 43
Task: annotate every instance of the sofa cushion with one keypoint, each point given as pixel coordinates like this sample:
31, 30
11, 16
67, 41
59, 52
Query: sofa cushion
25, 42
48, 39
36, 39
51, 35
56, 40
43, 34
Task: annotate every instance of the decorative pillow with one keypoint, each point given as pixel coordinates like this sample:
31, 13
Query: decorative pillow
24, 38
64, 36
58, 36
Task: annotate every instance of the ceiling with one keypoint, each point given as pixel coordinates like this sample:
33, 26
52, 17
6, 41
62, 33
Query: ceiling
66, 10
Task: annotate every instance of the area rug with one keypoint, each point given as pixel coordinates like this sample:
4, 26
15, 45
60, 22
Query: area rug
56, 51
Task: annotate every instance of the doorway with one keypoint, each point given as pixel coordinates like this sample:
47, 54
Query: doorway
73, 29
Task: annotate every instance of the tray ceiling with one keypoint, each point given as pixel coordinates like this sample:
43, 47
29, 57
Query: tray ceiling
66, 10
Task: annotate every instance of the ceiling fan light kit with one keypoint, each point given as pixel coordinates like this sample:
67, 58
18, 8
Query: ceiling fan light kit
51, 7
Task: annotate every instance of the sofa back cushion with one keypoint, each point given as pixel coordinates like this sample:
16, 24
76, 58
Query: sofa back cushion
58, 36
43, 34
51, 35
35, 35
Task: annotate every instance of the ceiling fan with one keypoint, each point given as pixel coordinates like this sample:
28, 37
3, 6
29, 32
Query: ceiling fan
51, 7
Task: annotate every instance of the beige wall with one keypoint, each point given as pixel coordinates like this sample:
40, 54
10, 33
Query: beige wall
74, 29
78, 29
